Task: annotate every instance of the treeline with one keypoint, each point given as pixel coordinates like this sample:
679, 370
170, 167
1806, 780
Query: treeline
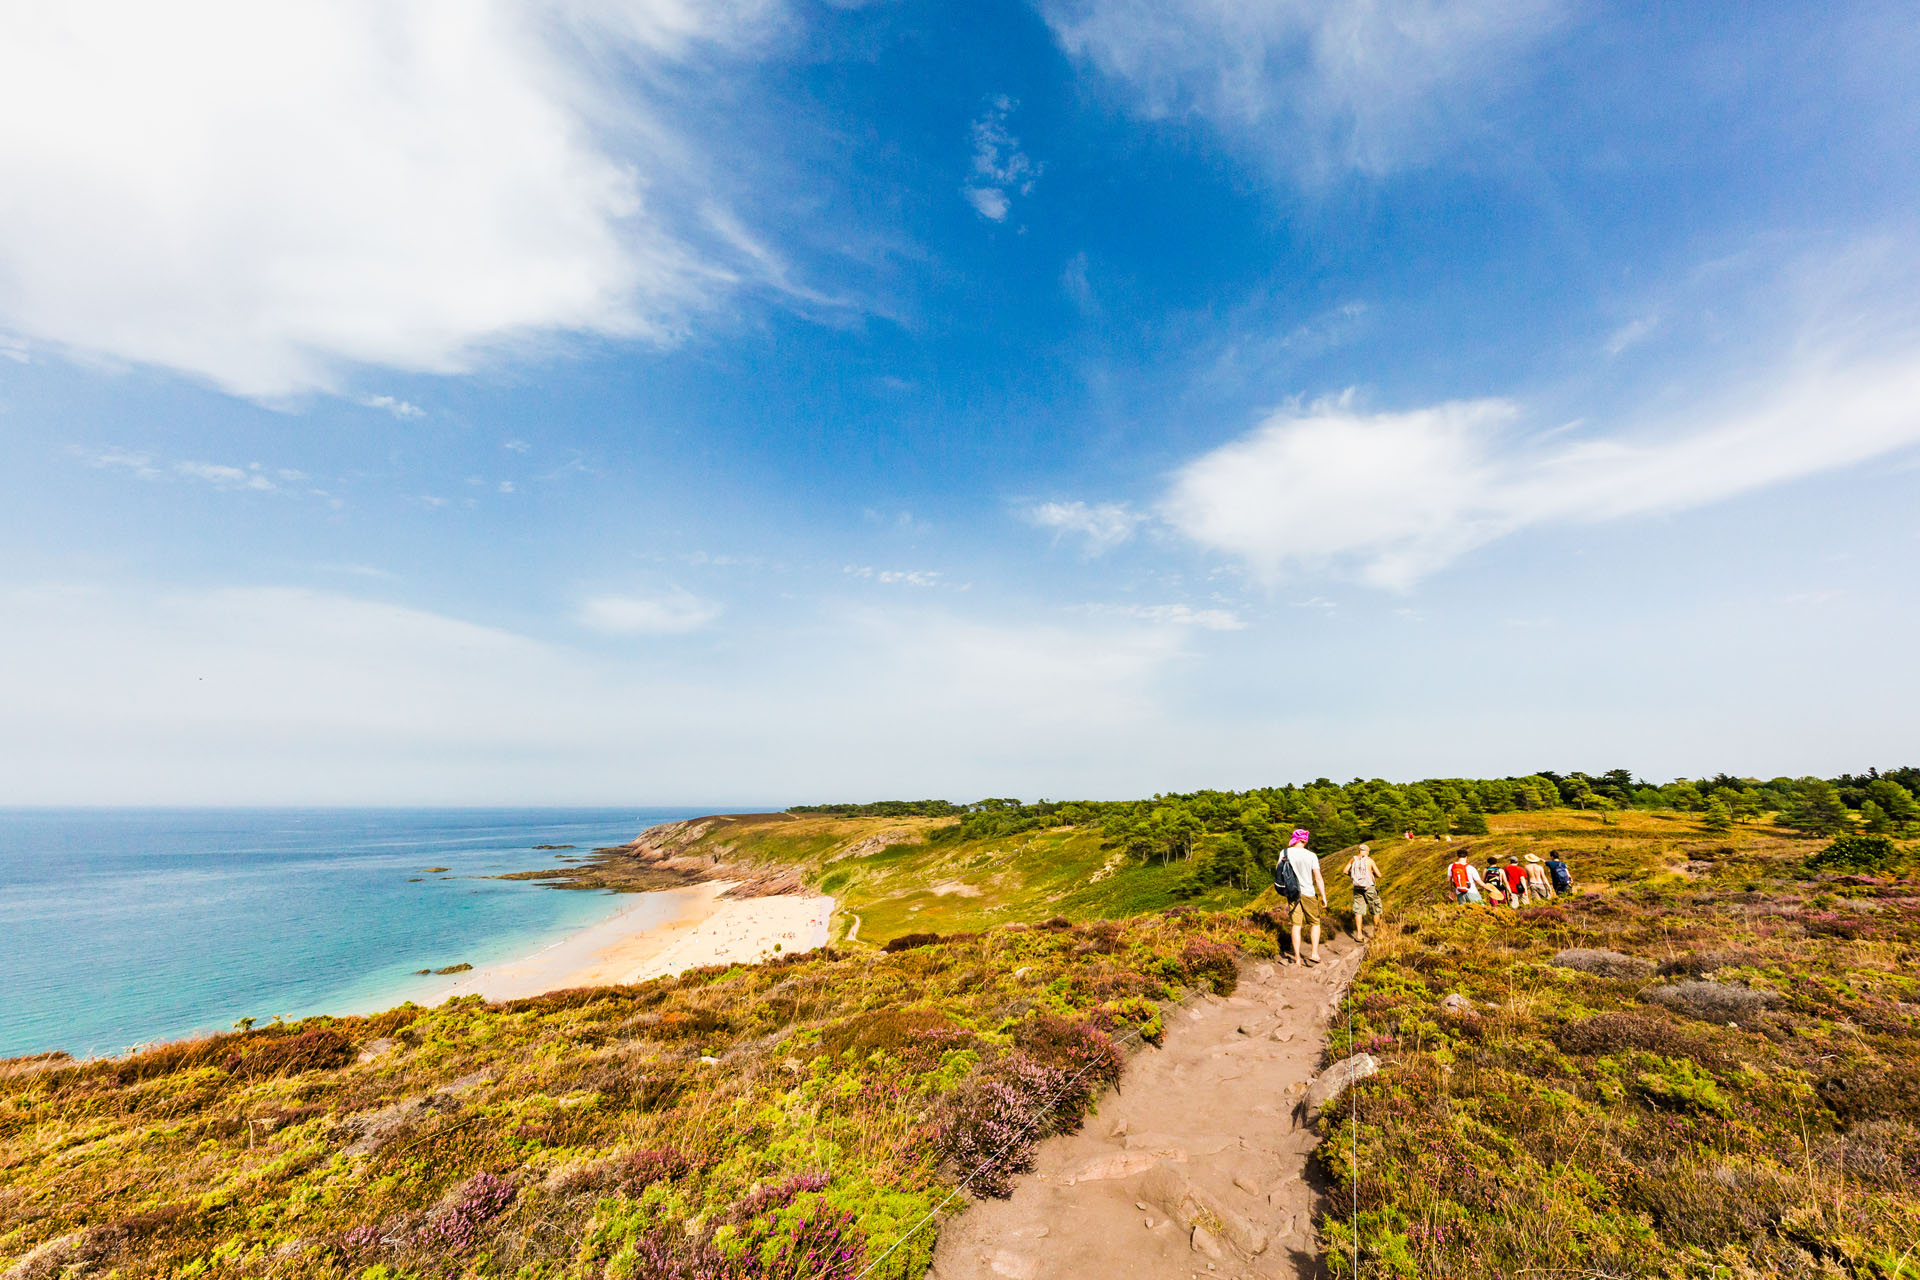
1233, 837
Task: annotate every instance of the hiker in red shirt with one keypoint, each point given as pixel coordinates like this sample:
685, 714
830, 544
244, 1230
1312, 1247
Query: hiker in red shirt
1516, 877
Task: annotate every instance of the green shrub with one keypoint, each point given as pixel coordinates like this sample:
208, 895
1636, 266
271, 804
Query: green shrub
1869, 855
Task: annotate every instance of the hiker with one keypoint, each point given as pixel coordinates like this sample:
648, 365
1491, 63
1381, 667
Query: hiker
1539, 887
1516, 878
1496, 883
1297, 878
1561, 874
1465, 879
1365, 874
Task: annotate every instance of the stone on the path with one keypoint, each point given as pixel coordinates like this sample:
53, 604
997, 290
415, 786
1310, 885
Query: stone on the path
1120, 1164
1246, 1184
1119, 1128
1013, 1266
1457, 1003
1282, 1034
1193, 1207
1332, 1082
1264, 972
1203, 1242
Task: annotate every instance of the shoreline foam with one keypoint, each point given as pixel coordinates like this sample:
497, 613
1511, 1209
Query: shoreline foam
702, 928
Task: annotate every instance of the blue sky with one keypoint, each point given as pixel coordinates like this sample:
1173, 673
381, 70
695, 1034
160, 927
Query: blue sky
773, 400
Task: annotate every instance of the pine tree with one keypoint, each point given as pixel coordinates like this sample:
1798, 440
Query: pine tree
1718, 816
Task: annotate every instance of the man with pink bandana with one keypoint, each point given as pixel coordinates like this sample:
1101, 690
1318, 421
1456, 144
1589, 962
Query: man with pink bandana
1311, 906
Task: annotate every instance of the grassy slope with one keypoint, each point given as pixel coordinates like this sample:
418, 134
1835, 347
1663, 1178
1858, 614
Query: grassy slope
915, 886
1573, 1125
1532, 1136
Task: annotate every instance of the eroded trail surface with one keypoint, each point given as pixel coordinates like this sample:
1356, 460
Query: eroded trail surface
1195, 1165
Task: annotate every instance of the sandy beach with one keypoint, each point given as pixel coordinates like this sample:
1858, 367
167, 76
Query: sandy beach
667, 932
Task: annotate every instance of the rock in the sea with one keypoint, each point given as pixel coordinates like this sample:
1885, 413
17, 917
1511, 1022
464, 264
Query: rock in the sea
1333, 1082
455, 968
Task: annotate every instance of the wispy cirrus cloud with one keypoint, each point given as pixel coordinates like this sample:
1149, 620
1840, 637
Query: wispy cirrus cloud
670, 613
269, 196
1317, 89
220, 475
1101, 526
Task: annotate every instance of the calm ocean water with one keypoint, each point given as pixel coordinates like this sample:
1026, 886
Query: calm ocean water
122, 926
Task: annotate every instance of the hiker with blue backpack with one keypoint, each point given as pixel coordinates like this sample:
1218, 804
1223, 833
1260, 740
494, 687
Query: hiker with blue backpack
1297, 879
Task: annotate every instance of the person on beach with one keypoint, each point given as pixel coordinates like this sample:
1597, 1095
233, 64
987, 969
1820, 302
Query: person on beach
1516, 877
1365, 873
1539, 887
1465, 879
1560, 873
1297, 877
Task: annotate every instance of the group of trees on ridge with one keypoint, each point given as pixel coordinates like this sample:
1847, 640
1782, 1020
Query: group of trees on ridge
1233, 837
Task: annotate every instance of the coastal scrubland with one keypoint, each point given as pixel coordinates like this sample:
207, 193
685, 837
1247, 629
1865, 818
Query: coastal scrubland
1705, 1061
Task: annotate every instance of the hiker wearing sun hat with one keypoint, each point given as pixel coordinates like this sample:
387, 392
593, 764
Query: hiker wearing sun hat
1539, 887
1297, 877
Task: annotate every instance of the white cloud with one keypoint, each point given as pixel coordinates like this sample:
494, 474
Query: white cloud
1317, 87
1631, 334
1392, 497
221, 476
115, 458
670, 614
989, 202
1179, 615
515, 446
909, 577
15, 350
269, 196
398, 408
505, 486
1104, 525
1001, 169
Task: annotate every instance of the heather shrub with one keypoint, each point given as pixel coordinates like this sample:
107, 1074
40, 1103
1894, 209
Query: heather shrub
1080, 1047
1884, 1153
1055, 924
1612, 1033
1213, 963
1710, 1001
920, 1036
1604, 964
479, 1200
909, 941
777, 1196
988, 1128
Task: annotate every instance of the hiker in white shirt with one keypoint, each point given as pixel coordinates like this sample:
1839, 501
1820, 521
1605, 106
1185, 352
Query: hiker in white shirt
1365, 874
1311, 904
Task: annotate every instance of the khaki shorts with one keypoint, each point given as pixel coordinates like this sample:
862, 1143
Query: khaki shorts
1366, 897
1308, 910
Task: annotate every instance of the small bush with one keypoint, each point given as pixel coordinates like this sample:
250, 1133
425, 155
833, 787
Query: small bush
1604, 964
777, 1196
1873, 855
1713, 1207
1699, 964
1612, 1033
272, 1055
1710, 1001
908, 941
1866, 1092
1055, 924
1213, 963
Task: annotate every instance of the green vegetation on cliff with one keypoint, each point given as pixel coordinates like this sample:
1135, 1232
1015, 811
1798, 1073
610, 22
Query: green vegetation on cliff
1703, 1063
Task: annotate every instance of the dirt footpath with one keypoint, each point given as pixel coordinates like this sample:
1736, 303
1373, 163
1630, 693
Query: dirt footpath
1193, 1166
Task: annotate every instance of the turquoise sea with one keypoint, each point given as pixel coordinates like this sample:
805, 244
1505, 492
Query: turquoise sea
120, 927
